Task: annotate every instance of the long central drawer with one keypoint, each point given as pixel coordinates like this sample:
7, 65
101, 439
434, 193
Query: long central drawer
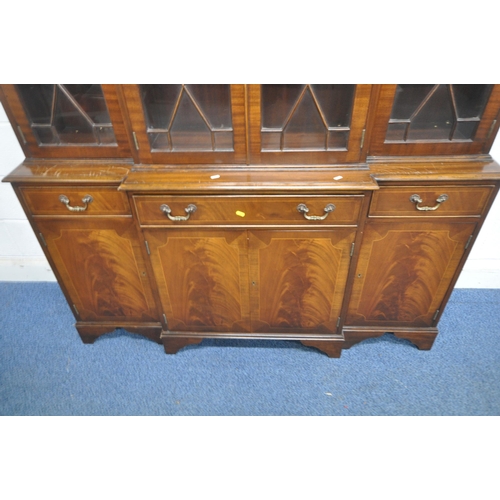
248, 210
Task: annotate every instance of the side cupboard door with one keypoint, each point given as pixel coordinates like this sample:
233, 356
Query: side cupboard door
99, 263
404, 272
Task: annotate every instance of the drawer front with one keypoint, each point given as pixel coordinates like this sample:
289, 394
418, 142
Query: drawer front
430, 201
47, 201
258, 210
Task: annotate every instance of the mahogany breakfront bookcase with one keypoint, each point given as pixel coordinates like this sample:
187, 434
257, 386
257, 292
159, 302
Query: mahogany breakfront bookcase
325, 214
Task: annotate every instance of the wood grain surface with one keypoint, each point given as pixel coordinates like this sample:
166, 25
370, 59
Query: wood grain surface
298, 278
257, 210
100, 266
404, 271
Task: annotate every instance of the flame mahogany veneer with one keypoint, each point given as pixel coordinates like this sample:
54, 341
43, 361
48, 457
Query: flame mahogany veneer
323, 247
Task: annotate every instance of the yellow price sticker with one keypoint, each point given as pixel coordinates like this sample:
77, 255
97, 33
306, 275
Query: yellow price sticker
239, 213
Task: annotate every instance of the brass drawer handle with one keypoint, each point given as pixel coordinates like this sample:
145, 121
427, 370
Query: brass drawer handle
415, 198
302, 208
85, 200
189, 210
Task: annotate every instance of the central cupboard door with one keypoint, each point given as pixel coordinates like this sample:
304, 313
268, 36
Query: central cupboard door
298, 278
202, 277
234, 280
307, 123
187, 123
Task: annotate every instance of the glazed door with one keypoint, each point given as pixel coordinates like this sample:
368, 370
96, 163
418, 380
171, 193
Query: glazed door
202, 277
184, 123
430, 119
309, 123
298, 278
404, 272
67, 120
99, 264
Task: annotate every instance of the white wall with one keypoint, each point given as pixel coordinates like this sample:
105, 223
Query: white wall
21, 258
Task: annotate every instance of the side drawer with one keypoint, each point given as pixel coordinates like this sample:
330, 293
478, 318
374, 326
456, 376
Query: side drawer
248, 210
47, 200
403, 201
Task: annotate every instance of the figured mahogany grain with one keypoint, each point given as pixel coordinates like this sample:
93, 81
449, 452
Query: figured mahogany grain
100, 266
404, 271
463, 201
298, 278
202, 277
246, 210
105, 201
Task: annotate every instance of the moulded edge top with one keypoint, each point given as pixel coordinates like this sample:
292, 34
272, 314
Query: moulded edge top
435, 169
95, 172
250, 180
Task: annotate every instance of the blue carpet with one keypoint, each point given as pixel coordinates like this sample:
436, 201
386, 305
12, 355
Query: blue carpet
45, 369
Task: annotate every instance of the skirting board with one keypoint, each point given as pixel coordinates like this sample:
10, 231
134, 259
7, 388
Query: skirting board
38, 269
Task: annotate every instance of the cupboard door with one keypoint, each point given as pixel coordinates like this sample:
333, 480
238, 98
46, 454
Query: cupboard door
298, 278
67, 120
308, 123
100, 267
184, 123
428, 119
404, 272
202, 277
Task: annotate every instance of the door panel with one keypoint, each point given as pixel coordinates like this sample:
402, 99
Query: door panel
68, 120
404, 271
202, 277
428, 119
298, 278
101, 267
309, 123
188, 123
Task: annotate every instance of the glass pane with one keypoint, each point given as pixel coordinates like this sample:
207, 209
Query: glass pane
336, 103
271, 141
396, 131
223, 141
277, 104
106, 134
188, 117
407, 100
337, 139
70, 123
215, 104
436, 112
70, 113
159, 140
159, 104
189, 130
471, 99
434, 118
306, 117
37, 100
91, 100
306, 129
45, 134
465, 130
